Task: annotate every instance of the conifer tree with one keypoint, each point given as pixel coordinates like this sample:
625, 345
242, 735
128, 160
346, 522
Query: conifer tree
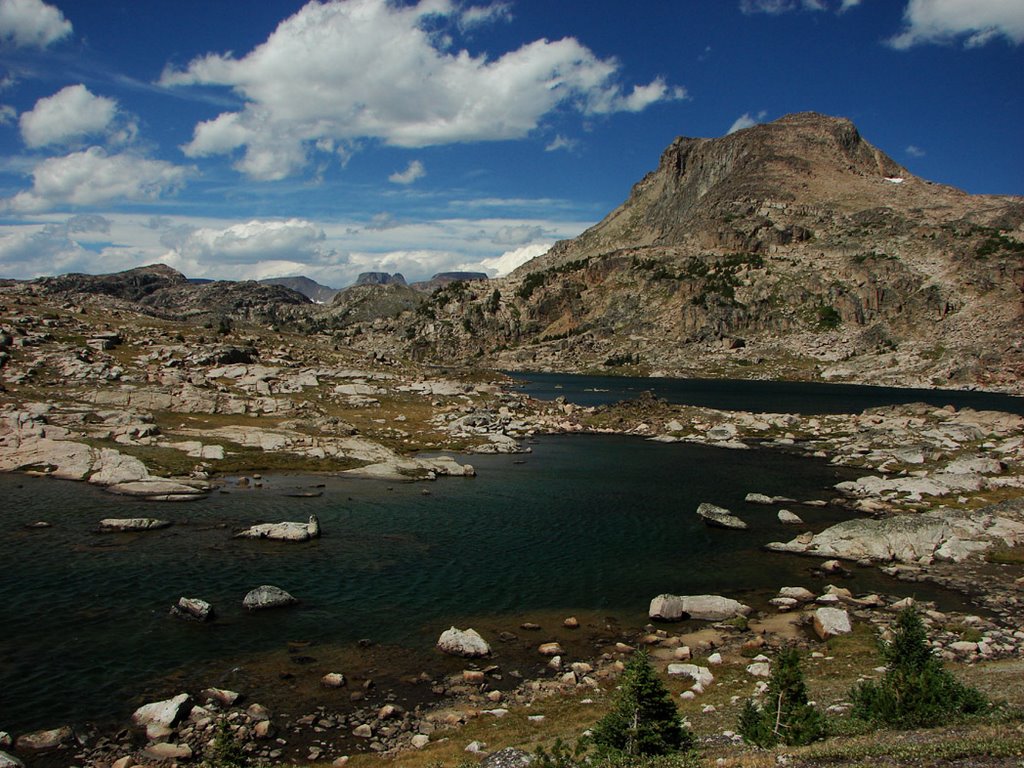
644, 719
785, 716
916, 690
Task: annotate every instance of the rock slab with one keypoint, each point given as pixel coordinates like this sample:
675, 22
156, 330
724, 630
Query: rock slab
702, 607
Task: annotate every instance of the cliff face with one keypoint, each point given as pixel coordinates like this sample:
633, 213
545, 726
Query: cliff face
794, 248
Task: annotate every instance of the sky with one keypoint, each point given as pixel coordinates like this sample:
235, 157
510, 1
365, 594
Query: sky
238, 140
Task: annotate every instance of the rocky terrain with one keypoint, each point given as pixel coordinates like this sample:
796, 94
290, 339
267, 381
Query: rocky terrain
788, 250
793, 249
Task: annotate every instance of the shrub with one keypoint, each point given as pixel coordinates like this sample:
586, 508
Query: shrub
916, 690
643, 719
785, 716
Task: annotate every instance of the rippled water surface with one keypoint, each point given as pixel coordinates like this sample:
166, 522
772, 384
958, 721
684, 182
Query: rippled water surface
758, 396
583, 522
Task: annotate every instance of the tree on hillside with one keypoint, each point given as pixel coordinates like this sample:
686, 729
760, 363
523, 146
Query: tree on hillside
785, 716
916, 690
643, 719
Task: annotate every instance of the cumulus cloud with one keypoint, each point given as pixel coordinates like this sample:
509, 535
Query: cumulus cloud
91, 177
414, 171
975, 21
344, 70
70, 114
509, 260
746, 121
252, 249
31, 23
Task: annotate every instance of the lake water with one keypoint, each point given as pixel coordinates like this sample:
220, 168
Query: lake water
757, 396
584, 523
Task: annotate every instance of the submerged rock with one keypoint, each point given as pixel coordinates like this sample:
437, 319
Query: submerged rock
10, 761
719, 517
703, 607
44, 741
133, 524
267, 596
467, 643
789, 518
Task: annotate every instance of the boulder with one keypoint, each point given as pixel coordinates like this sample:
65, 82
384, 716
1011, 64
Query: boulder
466, 643
702, 607
550, 649
700, 675
133, 524
159, 717
829, 622
789, 518
44, 741
333, 680
267, 596
222, 696
192, 608
719, 517
759, 669
287, 531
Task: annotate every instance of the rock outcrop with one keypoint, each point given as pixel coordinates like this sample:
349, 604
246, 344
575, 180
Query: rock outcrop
943, 534
287, 531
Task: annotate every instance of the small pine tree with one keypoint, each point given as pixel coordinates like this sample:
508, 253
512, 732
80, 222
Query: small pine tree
916, 690
785, 716
644, 719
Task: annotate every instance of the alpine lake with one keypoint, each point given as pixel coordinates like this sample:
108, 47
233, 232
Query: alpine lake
586, 525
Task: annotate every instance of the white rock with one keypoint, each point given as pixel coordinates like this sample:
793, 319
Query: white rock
759, 669
703, 607
829, 622
701, 675
467, 643
159, 717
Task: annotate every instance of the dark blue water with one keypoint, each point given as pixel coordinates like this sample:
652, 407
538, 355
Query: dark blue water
586, 523
757, 396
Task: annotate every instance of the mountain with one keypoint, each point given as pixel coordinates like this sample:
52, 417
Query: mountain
161, 291
791, 249
311, 289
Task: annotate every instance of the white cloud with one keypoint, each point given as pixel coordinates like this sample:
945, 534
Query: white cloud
31, 23
414, 171
7, 114
915, 151
561, 142
72, 113
345, 70
509, 260
252, 242
746, 121
91, 177
777, 7
485, 14
944, 21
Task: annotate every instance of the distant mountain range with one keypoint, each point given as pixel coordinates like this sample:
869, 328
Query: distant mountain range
793, 249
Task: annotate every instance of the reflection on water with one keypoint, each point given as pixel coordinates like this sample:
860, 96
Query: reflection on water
587, 523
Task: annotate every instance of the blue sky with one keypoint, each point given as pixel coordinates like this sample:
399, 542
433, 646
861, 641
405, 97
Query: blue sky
258, 139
